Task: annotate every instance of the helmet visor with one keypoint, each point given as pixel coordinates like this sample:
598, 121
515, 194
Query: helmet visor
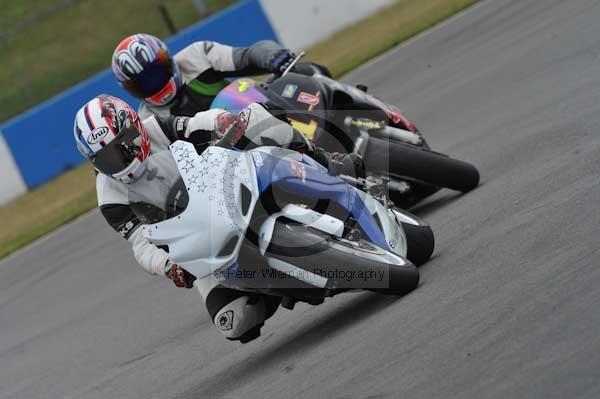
165, 95
118, 154
151, 80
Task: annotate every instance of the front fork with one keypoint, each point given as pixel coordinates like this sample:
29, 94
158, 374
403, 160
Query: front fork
367, 127
378, 186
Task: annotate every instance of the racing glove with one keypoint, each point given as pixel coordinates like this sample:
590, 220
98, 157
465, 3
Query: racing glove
281, 60
180, 277
205, 121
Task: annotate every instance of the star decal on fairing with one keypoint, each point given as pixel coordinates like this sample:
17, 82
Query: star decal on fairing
177, 149
203, 161
201, 187
234, 163
215, 176
189, 165
184, 154
193, 179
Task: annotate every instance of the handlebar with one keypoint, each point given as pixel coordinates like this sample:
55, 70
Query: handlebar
294, 62
233, 135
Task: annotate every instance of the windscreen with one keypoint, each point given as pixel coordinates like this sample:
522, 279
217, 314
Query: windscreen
238, 95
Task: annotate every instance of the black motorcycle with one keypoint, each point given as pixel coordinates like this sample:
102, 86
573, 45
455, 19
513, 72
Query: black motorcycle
343, 118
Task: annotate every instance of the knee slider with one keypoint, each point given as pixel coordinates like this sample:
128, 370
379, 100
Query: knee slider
239, 316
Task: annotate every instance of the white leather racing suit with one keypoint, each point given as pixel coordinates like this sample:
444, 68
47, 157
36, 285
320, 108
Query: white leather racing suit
204, 66
113, 201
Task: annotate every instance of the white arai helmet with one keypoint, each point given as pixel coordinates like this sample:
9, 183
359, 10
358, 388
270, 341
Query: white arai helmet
109, 133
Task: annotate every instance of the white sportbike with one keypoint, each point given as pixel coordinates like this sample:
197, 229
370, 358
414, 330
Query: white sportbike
273, 221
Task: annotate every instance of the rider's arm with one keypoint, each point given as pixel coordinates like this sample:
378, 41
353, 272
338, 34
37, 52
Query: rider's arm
113, 204
213, 60
264, 126
123, 220
198, 129
259, 58
268, 125
149, 256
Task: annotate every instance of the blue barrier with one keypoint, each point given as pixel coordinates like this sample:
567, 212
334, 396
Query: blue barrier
41, 139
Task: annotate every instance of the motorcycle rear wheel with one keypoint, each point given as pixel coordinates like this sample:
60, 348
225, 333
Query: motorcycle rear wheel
421, 164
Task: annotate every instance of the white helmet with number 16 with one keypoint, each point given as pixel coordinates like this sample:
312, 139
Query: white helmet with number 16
109, 133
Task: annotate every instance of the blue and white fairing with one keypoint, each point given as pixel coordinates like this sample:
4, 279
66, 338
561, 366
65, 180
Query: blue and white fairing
299, 174
224, 186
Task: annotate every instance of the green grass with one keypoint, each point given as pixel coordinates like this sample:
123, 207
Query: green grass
72, 194
71, 45
46, 208
382, 31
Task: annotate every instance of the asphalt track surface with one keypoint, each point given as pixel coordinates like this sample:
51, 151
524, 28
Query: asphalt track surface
507, 308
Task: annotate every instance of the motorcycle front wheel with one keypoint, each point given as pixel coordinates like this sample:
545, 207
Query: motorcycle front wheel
308, 249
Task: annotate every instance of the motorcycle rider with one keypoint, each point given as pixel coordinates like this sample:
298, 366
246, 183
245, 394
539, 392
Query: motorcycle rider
109, 133
186, 83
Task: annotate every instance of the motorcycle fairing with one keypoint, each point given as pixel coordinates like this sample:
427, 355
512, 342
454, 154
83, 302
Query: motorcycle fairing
300, 175
218, 209
208, 234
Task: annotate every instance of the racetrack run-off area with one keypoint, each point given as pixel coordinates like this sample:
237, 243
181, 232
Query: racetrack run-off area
507, 308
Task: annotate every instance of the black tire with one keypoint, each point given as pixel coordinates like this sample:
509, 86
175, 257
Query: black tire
420, 243
399, 283
420, 164
418, 192
307, 248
